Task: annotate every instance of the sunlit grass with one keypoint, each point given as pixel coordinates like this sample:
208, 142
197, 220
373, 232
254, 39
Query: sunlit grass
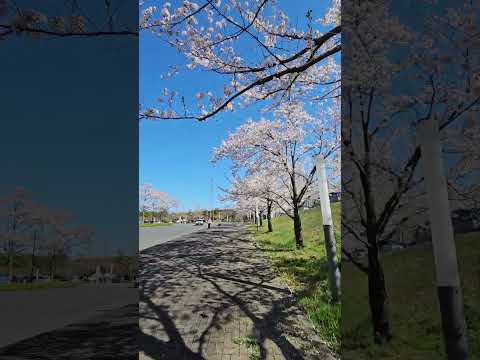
155, 225
305, 271
415, 316
39, 285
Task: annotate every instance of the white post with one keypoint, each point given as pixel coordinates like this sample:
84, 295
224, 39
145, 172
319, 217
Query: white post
330, 244
97, 275
444, 251
256, 213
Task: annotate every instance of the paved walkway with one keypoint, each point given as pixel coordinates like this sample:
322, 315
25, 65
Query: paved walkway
212, 295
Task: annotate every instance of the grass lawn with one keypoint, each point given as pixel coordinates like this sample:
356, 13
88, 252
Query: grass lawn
305, 271
39, 286
415, 319
155, 225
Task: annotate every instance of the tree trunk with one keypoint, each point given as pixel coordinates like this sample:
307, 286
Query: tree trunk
378, 298
269, 215
10, 266
297, 226
260, 220
52, 265
33, 256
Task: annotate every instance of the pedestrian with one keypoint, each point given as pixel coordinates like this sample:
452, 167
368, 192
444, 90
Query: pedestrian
209, 222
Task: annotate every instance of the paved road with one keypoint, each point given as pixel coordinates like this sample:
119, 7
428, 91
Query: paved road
110, 335
150, 236
206, 295
29, 313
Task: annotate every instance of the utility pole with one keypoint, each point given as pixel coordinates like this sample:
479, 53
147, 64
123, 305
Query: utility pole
444, 250
330, 245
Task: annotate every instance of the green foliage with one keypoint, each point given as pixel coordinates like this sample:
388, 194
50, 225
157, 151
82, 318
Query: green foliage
305, 270
154, 225
415, 317
163, 216
39, 285
217, 213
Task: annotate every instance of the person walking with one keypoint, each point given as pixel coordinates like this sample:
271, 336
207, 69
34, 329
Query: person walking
209, 222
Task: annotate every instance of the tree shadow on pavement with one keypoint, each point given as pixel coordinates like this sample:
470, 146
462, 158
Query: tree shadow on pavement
209, 282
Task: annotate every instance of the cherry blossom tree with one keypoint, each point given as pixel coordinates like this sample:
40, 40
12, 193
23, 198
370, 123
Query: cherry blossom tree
212, 35
255, 189
73, 21
282, 147
145, 198
162, 201
15, 210
245, 207
381, 182
152, 199
29, 225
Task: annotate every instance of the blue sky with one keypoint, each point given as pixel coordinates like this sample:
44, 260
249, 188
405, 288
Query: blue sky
69, 128
174, 155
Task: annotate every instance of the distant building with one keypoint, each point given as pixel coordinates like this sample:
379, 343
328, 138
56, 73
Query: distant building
335, 196
463, 221
313, 200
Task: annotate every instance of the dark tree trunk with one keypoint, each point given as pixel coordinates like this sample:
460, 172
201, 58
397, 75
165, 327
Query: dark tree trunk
297, 222
269, 215
33, 256
260, 220
52, 265
378, 298
10, 264
297, 226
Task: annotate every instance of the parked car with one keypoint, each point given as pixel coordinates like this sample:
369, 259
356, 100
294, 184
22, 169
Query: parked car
199, 222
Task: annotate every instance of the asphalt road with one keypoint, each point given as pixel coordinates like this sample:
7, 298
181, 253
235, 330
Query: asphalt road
107, 335
28, 313
151, 236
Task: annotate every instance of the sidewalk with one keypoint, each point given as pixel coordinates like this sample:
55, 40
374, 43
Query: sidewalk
212, 295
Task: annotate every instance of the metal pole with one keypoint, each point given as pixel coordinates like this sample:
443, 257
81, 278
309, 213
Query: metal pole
444, 250
330, 245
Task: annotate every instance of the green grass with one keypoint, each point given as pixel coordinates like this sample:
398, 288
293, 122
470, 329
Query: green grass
251, 344
38, 286
415, 319
155, 225
305, 271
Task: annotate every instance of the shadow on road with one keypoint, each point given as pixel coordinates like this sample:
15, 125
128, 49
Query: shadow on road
112, 335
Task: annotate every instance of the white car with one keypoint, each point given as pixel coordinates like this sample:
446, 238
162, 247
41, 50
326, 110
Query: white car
199, 222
